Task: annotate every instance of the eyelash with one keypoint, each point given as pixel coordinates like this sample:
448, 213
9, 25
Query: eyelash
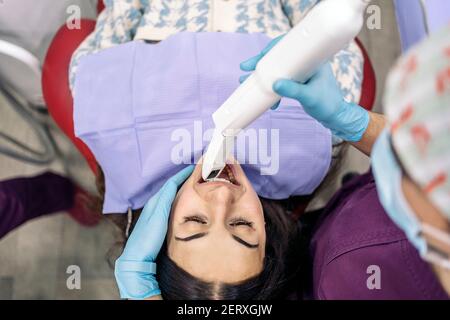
195, 219
234, 223
241, 222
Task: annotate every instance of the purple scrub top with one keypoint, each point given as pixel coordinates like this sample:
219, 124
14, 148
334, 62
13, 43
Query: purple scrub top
356, 242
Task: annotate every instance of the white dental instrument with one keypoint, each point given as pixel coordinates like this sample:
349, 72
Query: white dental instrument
325, 30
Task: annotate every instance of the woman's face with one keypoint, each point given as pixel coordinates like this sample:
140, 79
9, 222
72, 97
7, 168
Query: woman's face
217, 229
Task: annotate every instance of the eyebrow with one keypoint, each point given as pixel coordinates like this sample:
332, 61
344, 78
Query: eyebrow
203, 234
193, 237
245, 243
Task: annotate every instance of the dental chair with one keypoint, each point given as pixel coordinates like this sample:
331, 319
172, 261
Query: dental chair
58, 96
55, 85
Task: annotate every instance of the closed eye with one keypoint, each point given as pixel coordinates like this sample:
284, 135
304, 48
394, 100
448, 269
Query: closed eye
241, 222
197, 219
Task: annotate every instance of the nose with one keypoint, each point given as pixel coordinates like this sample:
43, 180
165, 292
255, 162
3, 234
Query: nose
220, 195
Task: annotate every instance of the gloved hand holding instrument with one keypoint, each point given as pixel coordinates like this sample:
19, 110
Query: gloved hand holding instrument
321, 98
135, 269
300, 55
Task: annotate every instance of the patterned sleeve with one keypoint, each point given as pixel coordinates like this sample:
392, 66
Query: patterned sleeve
296, 10
116, 24
347, 64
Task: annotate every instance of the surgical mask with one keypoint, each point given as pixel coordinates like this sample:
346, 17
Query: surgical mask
388, 178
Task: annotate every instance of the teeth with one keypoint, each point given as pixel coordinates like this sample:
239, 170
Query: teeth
232, 176
227, 176
219, 180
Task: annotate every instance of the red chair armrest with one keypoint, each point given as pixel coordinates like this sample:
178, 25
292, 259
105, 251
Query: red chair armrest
369, 84
55, 84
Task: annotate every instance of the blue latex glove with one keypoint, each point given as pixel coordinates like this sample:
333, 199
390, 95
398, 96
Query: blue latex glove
321, 98
135, 269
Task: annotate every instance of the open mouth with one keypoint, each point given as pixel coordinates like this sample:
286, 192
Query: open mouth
227, 175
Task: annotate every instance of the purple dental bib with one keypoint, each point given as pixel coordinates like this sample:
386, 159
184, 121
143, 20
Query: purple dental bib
145, 111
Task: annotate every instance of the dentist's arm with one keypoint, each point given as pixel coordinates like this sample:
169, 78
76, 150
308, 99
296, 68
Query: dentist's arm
376, 125
322, 99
